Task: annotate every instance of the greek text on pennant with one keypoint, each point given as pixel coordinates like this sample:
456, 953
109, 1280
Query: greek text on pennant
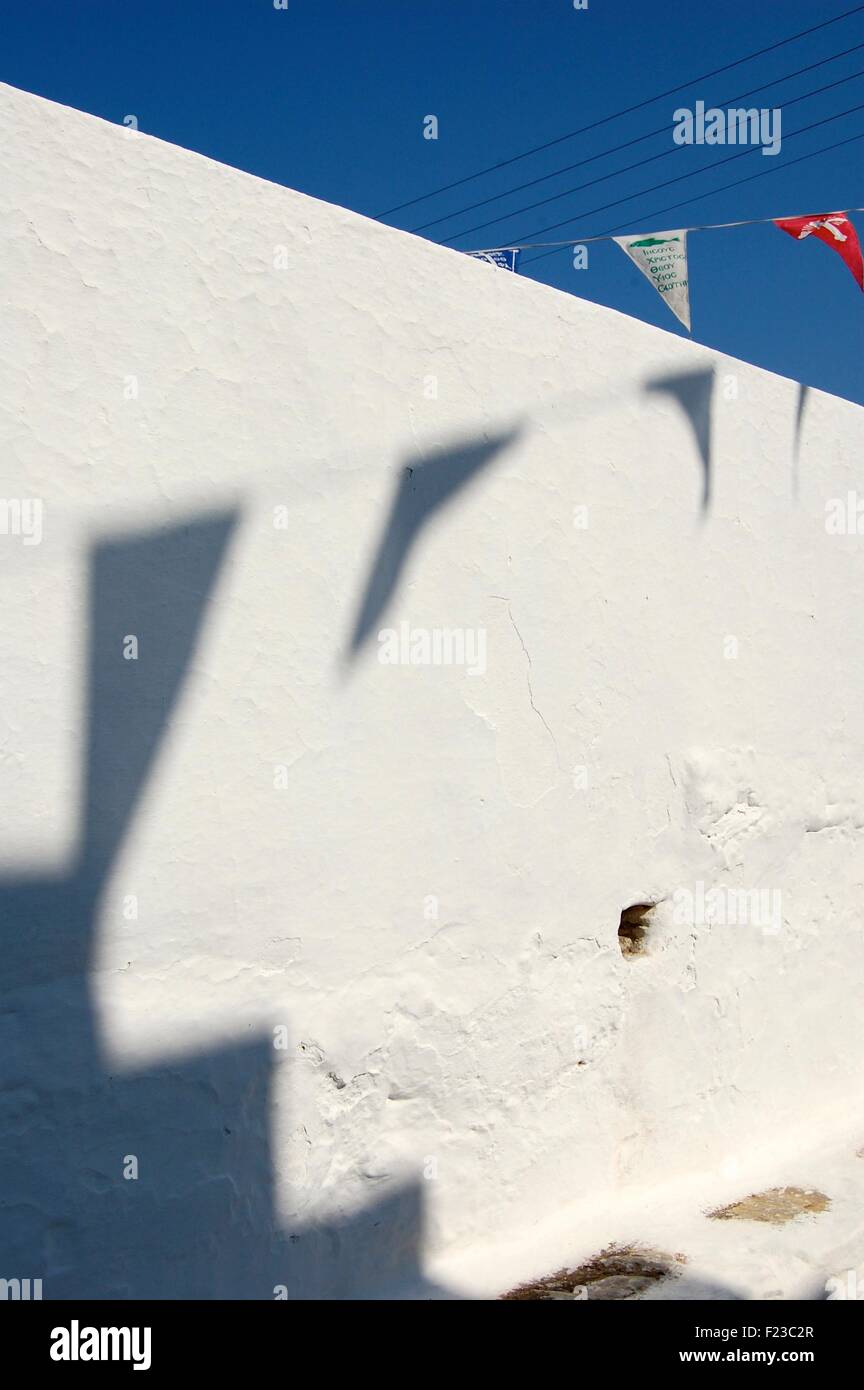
662, 258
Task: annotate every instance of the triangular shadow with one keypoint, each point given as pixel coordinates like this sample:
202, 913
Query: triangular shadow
422, 490
693, 391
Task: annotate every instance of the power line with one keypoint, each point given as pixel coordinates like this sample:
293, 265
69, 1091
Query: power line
666, 183
514, 212
724, 187
616, 149
628, 110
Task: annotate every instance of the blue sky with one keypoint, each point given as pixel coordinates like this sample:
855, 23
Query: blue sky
329, 96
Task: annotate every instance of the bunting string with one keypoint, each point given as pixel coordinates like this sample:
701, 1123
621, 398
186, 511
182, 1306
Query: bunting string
662, 256
703, 227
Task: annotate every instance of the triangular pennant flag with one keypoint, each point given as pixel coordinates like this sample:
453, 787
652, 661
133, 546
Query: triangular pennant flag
507, 258
835, 229
662, 258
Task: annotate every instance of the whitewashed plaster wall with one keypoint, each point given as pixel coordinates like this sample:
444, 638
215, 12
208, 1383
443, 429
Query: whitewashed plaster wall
413, 874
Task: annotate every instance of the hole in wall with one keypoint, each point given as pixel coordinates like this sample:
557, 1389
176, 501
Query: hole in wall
633, 929
618, 1272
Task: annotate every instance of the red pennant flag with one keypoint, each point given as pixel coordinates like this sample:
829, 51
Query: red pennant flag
835, 229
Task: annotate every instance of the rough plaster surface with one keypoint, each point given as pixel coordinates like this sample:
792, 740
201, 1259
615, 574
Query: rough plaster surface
415, 872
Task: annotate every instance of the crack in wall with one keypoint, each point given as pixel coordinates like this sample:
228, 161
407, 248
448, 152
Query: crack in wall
538, 712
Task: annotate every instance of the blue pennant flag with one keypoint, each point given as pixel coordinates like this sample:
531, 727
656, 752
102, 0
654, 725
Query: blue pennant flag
506, 259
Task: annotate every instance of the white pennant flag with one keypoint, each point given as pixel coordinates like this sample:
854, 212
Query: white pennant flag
662, 258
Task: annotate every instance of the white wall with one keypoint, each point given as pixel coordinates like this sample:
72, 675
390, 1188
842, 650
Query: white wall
446, 1077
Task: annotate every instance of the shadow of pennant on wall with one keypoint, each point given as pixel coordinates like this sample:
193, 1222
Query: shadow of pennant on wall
694, 392
199, 1219
422, 491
